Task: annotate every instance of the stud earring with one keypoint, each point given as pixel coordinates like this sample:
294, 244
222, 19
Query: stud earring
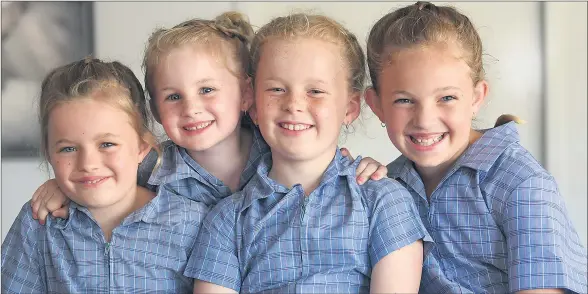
383, 125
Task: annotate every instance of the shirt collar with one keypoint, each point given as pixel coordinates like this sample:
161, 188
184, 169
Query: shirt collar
479, 156
261, 186
148, 213
176, 164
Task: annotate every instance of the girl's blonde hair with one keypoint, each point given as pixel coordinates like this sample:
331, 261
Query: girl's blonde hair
321, 28
230, 33
92, 78
423, 24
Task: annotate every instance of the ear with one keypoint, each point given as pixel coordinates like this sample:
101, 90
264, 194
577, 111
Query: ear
373, 101
144, 149
480, 92
253, 113
353, 107
246, 94
153, 107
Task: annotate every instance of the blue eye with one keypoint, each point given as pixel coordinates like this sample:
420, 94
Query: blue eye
106, 145
276, 90
448, 98
173, 97
205, 90
402, 101
316, 92
67, 149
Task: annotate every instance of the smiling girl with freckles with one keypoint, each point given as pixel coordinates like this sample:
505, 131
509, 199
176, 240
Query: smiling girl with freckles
495, 214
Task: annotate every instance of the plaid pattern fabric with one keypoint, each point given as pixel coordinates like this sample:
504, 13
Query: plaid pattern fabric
498, 222
147, 252
181, 175
272, 239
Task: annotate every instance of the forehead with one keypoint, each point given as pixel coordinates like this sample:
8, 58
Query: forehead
86, 117
301, 55
204, 59
437, 63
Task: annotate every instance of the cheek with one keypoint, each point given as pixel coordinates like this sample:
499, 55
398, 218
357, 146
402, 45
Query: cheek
62, 167
396, 117
325, 110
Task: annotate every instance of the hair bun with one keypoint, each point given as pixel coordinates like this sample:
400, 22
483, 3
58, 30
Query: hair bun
506, 118
235, 25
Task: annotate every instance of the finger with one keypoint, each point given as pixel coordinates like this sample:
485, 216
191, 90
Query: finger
42, 211
56, 201
61, 213
381, 173
35, 206
40, 191
345, 152
363, 164
367, 173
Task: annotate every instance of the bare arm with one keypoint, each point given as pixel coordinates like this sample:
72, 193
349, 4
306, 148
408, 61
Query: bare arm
399, 271
206, 287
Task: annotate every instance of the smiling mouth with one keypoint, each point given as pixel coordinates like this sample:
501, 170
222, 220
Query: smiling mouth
93, 183
428, 141
295, 127
199, 126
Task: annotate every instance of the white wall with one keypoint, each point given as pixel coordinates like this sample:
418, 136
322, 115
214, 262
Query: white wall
566, 38
514, 72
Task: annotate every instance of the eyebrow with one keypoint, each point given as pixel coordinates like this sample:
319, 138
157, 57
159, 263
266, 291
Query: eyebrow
105, 135
96, 138
201, 81
436, 90
447, 88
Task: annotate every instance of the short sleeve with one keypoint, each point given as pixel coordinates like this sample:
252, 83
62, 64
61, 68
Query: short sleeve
394, 222
544, 250
214, 258
21, 262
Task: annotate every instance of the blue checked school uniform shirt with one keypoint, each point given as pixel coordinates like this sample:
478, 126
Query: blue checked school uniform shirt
147, 252
182, 175
498, 222
268, 238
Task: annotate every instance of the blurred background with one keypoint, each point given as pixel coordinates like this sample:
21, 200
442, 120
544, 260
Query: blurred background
536, 63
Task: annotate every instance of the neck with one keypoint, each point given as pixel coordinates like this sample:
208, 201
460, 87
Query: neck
307, 173
433, 175
236, 147
108, 218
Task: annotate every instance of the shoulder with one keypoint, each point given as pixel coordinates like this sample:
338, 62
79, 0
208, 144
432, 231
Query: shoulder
25, 227
516, 168
25, 217
382, 187
385, 192
178, 209
227, 208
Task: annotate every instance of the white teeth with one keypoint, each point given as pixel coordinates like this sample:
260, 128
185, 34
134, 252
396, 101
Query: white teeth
199, 126
294, 127
93, 182
427, 142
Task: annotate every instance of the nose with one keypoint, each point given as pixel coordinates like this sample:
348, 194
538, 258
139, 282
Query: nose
294, 102
191, 106
88, 160
425, 115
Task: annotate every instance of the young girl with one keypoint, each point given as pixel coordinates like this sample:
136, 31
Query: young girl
496, 216
119, 237
197, 76
303, 224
